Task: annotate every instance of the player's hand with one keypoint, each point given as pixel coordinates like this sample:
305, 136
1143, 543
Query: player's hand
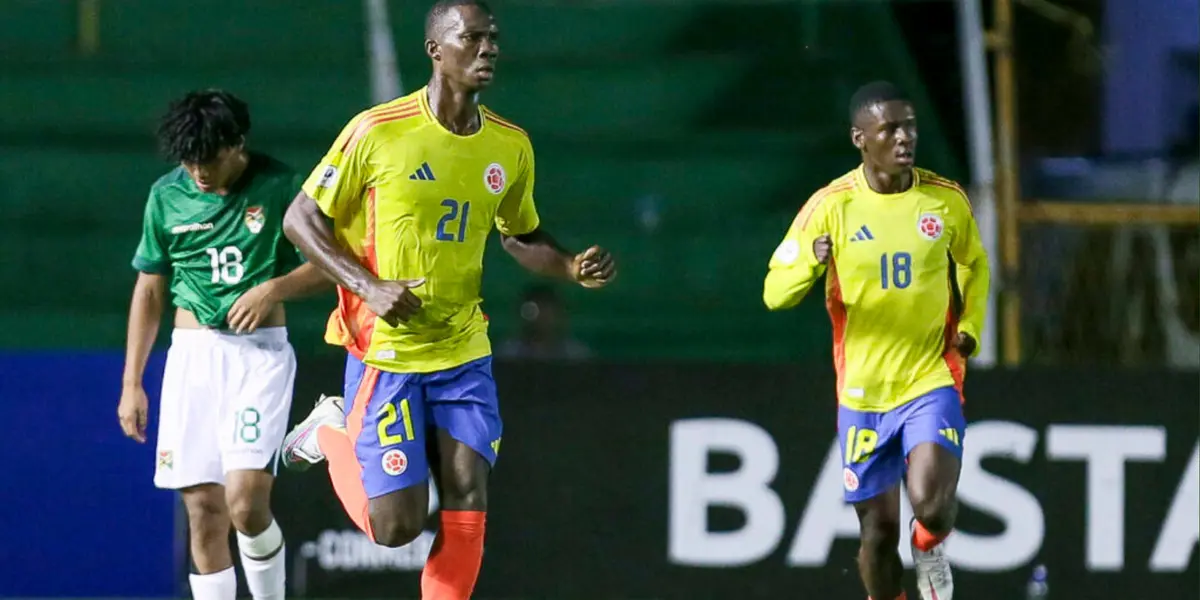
594, 267
131, 412
393, 301
823, 249
251, 309
964, 343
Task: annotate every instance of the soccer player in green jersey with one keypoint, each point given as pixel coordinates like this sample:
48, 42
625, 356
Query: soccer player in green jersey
212, 238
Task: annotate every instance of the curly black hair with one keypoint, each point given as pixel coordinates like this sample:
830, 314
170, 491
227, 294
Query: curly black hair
198, 126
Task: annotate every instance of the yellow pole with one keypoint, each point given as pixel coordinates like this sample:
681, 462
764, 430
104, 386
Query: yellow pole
89, 26
1007, 186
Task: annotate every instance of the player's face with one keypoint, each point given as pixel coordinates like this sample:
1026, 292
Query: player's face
218, 173
468, 49
886, 133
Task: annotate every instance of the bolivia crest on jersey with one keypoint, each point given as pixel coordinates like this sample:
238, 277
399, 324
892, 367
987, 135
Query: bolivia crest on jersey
930, 226
254, 219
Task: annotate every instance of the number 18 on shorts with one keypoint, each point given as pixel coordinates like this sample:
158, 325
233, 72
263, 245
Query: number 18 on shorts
875, 446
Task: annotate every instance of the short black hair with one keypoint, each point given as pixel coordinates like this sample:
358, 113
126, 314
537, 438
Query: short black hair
198, 126
441, 7
874, 93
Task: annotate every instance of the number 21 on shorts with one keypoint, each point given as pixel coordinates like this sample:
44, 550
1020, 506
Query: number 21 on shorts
388, 417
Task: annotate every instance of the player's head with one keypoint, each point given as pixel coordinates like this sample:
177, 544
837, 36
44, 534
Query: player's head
883, 126
461, 39
205, 131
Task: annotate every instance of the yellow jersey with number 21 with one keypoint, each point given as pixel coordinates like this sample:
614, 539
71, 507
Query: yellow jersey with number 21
410, 199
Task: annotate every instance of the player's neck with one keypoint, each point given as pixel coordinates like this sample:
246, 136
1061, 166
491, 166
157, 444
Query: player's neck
882, 182
456, 110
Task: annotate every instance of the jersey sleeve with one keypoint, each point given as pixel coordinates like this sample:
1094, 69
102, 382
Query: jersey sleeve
339, 180
151, 255
793, 268
517, 214
971, 264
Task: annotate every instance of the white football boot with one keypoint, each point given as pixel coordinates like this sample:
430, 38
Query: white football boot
934, 580
300, 450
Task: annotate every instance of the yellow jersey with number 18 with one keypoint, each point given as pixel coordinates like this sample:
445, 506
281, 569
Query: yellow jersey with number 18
410, 199
887, 284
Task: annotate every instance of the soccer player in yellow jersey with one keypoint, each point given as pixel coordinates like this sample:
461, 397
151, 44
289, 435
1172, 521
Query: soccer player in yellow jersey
890, 240
398, 213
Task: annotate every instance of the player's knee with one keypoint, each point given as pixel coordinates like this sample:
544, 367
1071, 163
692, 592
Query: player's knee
249, 514
934, 508
208, 517
394, 531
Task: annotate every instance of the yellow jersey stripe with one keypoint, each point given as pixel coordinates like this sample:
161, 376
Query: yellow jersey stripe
402, 111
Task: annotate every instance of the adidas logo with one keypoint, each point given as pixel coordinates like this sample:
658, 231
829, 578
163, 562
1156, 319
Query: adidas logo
423, 174
862, 235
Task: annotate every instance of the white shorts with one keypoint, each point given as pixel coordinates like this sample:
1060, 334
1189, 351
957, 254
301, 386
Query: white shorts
225, 404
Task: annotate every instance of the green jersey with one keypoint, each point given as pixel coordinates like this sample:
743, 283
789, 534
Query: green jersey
215, 248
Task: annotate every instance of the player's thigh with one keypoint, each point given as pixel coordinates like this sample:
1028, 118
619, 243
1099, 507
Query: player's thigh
872, 461
933, 431
187, 452
260, 373
464, 407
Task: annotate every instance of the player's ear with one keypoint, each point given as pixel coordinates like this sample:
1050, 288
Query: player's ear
856, 137
433, 50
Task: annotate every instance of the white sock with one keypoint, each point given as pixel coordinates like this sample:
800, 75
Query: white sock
221, 585
264, 563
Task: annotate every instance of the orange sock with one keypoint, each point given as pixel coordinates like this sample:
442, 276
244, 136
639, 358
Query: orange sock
346, 475
924, 540
454, 561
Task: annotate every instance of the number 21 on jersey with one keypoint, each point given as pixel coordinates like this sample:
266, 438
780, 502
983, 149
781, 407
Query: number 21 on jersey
456, 214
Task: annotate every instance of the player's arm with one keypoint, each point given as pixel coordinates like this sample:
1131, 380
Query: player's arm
145, 313
334, 192
972, 271
535, 249
799, 260
311, 230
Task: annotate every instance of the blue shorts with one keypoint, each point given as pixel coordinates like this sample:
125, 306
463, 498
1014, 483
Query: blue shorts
390, 416
875, 446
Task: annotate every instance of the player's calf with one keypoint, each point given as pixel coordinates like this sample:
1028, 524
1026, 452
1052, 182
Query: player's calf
260, 541
208, 524
878, 559
212, 575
